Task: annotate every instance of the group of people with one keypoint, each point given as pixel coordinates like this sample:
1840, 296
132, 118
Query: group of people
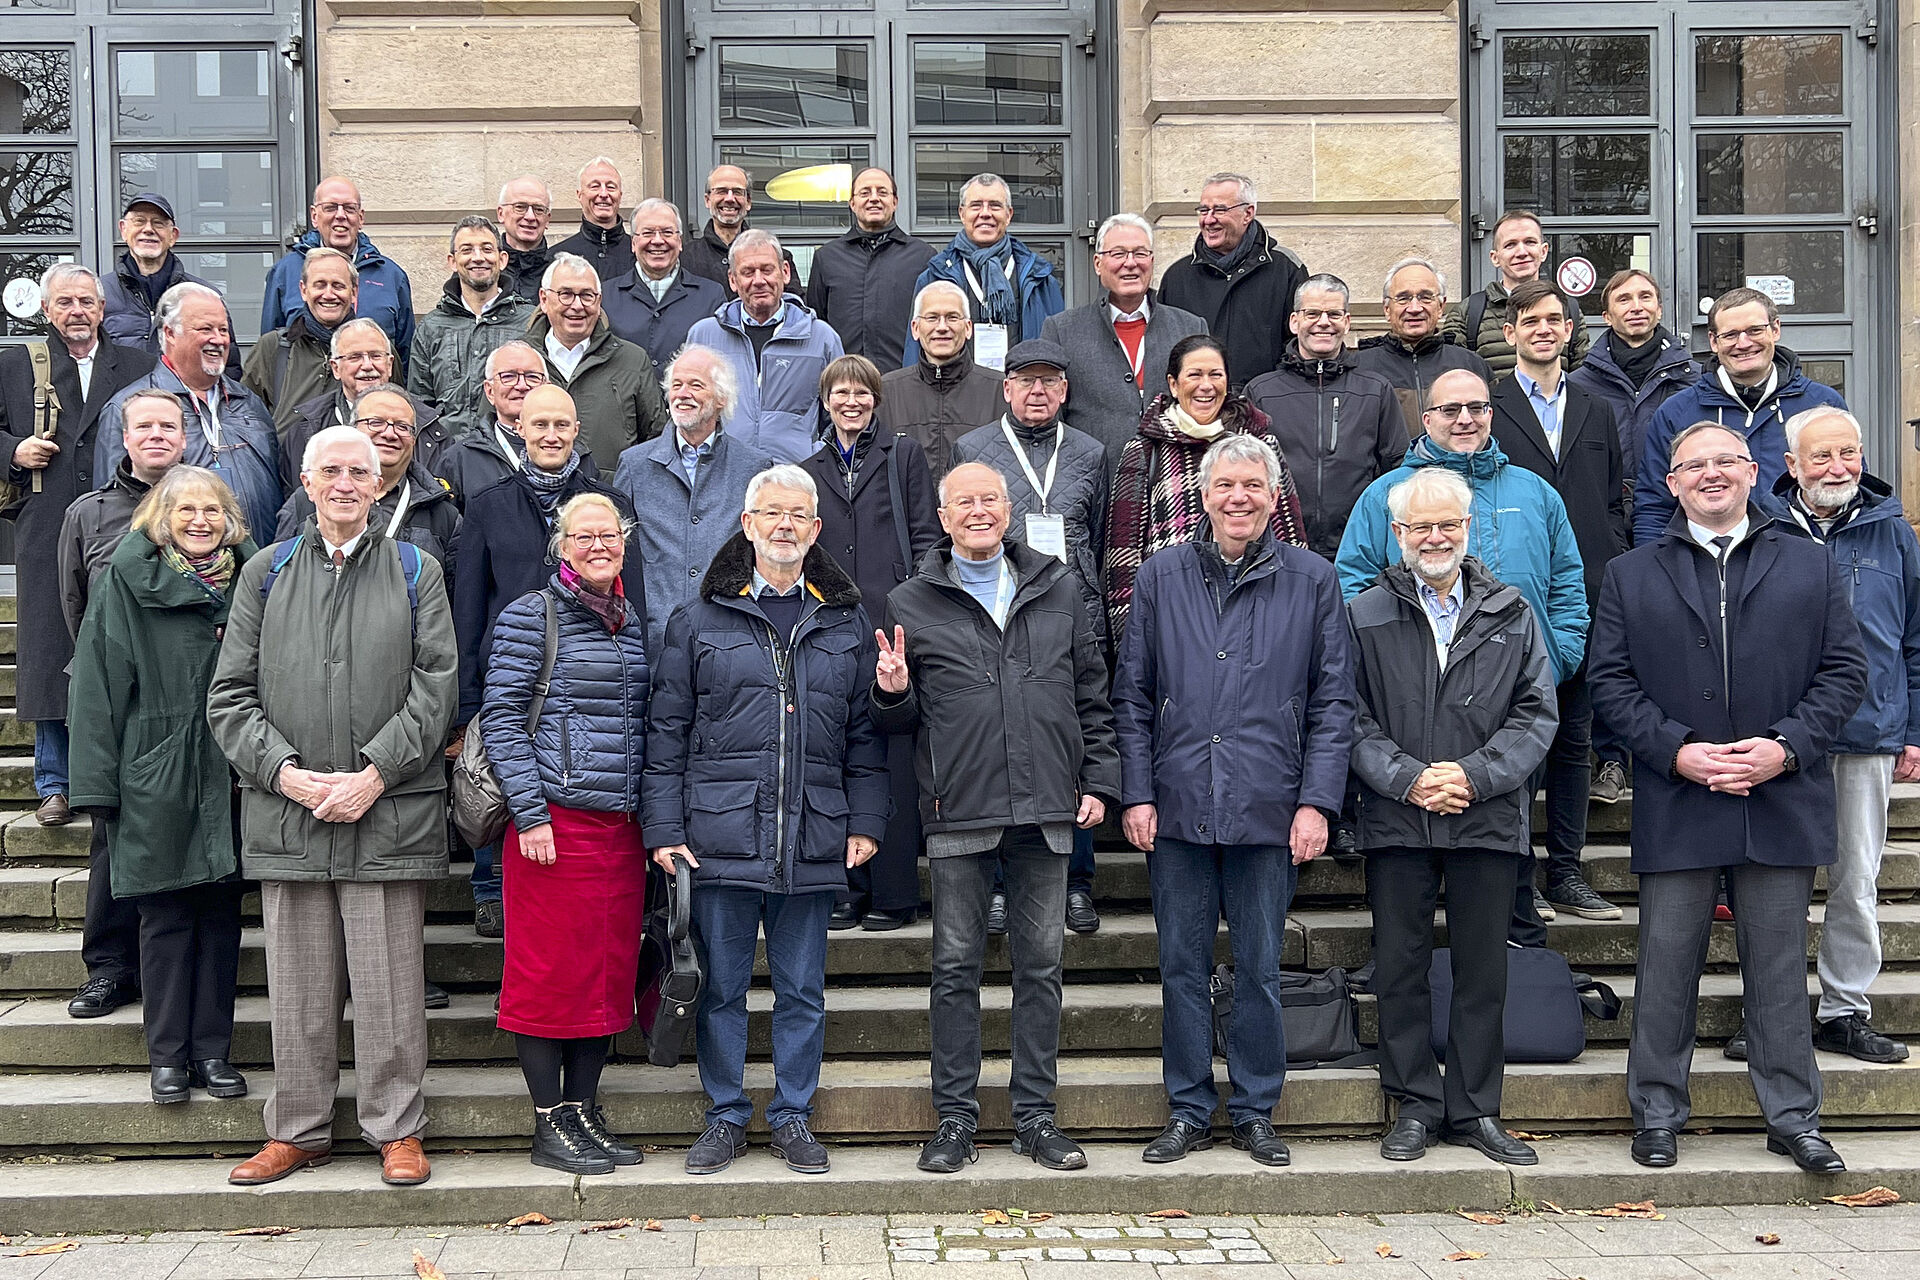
918, 562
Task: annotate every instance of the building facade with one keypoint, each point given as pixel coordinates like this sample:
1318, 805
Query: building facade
1713, 143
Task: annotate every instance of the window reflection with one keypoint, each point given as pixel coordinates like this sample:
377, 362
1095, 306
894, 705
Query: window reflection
1770, 173
1034, 170
192, 93
1608, 251
36, 193
1574, 174
768, 160
987, 83
821, 86
1600, 75
26, 266
1815, 261
214, 193
36, 91
1766, 75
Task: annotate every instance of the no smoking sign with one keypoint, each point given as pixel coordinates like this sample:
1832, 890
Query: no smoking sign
1576, 277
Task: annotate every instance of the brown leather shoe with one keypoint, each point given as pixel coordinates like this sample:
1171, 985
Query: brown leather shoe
403, 1163
276, 1160
53, 811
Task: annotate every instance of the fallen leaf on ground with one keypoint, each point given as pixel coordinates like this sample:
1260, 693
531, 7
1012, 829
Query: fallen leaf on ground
1464, 1255
652, 1224
1642, 1209
1385, 1250
1524, 1136
426, 1270
264, 1231
1169, 1213
995, 1217
534, 1219
1031, 1215
1767, 1238
694, 1217
1484, 1219
39, 1250
1551, 1207
614, 1225
1335, 1261
1871, 1198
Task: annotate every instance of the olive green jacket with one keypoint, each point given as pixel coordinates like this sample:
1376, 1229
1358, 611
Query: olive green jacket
332, 672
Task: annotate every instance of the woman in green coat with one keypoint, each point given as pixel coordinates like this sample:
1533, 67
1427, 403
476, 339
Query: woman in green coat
145, 763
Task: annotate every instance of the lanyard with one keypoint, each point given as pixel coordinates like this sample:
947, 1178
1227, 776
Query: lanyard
400, 508
1020, 456
1003, 593
973, 281
210, 424
505, 441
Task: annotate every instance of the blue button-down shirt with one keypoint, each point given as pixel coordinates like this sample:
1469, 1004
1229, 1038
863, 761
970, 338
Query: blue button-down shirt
1550, 410
1443, 612
691, 456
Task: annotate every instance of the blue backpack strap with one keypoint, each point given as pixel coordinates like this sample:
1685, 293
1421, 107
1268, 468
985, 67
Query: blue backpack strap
281, 557
410, 564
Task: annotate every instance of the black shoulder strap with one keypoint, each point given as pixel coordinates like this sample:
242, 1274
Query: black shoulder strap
1476, 315
538, 703
896, 492
283, 352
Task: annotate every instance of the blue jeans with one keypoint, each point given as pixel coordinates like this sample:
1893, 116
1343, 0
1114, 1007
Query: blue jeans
49, 758
1191, 885
726, 924
486, 873
1079, 865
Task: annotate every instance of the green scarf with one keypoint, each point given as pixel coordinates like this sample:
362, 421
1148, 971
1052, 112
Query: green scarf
214, 571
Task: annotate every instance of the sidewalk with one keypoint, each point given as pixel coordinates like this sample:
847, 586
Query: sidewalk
1815, 1242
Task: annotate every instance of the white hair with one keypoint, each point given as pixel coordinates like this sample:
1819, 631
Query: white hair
655, 202
599, 160
783, 476
518, 344
61, 270
1240, 180
338, 435
939, 286
942, 487
1133, 220
1439, 276
324, 253
546, 193
568, 262
359, 324
1429, 482
754, 238
1799, 422
1240, 447
174, 300
726, 383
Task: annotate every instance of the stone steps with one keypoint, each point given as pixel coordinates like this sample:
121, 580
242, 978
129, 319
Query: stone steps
1095, 1018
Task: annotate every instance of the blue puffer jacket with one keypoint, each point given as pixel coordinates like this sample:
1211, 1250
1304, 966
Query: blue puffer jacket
587, 750
1707, 401
762, 774
1881, 556
1520, 533
386, 295
779, 409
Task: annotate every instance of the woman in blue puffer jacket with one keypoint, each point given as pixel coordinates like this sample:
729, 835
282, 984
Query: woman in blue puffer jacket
574, 865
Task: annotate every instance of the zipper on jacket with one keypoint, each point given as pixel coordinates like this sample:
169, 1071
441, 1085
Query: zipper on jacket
780, 671
566, 751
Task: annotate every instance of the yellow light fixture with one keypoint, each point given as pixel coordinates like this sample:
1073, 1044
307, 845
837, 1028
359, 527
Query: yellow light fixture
817, 184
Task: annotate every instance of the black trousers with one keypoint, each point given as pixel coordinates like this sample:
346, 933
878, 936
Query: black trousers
1403, 888
110, 940
890, 880
189, 968
1567, 777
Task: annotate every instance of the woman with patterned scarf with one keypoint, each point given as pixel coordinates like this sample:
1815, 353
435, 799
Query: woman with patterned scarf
146, 764
1156, 495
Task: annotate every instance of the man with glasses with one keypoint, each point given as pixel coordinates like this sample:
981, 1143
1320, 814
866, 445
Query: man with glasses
362, 360
944, 392
1726, 655
655, 304
862, 282
1754, 386
1118, 345
144, 273
988, 658
1011, 290
602, 239
474, 315
1413, 351
1519, 253
291, 365
478, 459
1239, 280
524, 211
386, 295
729, 197
611, 382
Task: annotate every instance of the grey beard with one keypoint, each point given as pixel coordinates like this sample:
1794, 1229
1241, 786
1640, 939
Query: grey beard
1833, 496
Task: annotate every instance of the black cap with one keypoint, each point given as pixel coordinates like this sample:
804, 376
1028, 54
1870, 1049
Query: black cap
1035, 351
153, 198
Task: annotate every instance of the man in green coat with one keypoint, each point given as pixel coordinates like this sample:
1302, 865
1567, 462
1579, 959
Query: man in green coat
333, 697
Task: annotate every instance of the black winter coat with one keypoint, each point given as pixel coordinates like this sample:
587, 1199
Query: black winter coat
1245, 307
937, 404
44, 644
524, 269
659, 326
1411, 370
869, 538
1010, 727
90, 534
1588, 474
608, 249
705, 254
1492, 711
862, 285
762, 755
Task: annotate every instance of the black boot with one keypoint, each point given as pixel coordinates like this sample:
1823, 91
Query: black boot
169, 1084
218, 1078
561, 1141
595, 1122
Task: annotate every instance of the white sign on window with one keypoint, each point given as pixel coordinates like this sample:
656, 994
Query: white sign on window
1778, 288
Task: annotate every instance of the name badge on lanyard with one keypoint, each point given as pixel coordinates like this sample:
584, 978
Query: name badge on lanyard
1046, 530
989, 340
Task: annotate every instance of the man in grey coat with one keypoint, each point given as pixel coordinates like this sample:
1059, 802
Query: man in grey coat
1118, 344
335, 690
686, 485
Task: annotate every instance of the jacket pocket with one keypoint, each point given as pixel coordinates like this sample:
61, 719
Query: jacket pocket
722, 819
823, 823
159, 809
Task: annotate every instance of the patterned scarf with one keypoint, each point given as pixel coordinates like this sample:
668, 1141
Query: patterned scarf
548, 484
213, 571
608, 606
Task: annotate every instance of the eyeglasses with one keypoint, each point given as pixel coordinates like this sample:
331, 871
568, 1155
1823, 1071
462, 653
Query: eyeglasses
647, 235
726, 191
1126, 255
520, 377
1723, 462
1425, 527
374, 426
521, 209
588, 541
1452, 408
332, 207
1051, 381
1848, 453
362, 357
576, 297
1313, 315
774, 517
991, 206
984, 502
1220, 210
1752, 333
1426, 298
359, 475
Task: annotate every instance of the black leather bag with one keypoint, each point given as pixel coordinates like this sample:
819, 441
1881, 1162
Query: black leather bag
1547, 1005
1318, 1017
671, 981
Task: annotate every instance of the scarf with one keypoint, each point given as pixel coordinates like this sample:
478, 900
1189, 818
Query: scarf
214, 571
608, 606
1233, 259
1638, 362
548, 484
1001, 304
1185, 424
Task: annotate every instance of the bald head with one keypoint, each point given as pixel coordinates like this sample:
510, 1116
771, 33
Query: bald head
550, 425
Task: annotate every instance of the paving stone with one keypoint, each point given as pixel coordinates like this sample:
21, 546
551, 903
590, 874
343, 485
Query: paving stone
120, 1261
23, 1268
1735, 1232
1354, 1269
773, 1246
1090, 1271
1784, 1266
840, 1244
1864, 1231
866, 1271
635, 1248
519, 1253
1359, 1241
1226, 1271
1622, 1236
247, 1259
370, 1258
1527, 1238
1654, 1268
1491, 1269
1901, 1265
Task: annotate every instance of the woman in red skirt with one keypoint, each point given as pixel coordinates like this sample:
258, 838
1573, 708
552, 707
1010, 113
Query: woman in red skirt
573, 862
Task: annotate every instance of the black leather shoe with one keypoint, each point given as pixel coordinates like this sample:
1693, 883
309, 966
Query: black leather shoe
1487, 1137
1344, 842
1852, 1036
997, 915
794, 1142
1656, 1148
1810, 1151
169, 1084
98, 997
218, 1078
1049, 1148
561, 1141
1257, 1138
717, 1148
843, 917
1736, 1048
949, 1149
877, 921
1176, 1140
437, 997
490, 919
1081, 916
1407, 1140
594, 1121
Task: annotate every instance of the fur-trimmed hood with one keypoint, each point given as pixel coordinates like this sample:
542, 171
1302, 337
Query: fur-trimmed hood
731, 574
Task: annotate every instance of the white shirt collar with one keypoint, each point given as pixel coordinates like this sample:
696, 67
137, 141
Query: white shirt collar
567, 358
1115, 315
344, 548
1705, 536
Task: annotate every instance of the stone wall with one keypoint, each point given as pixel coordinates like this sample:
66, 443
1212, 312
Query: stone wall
429, 106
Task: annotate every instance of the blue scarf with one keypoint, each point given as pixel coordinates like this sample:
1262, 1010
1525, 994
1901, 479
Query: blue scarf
989, 263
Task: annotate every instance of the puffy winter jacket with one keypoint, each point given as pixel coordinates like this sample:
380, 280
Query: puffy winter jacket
1244, 298
762, 755
779, 409
1411, 370
450, 350
1520, 534
1708, 400
386, 295
1633, 407
1033, 282
1490, 341
1878, 551
588, 747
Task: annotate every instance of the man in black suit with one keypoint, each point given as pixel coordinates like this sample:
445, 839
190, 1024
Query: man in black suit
87, 371
1566, 437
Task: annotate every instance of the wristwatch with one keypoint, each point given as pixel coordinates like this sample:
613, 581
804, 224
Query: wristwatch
1792, 763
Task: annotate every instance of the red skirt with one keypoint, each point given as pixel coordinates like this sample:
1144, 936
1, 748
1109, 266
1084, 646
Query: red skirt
573, 929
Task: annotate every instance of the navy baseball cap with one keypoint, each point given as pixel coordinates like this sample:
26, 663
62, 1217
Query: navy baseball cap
153, 198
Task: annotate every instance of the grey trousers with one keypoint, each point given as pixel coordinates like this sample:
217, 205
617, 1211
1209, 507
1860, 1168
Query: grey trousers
325, 937
1770, 931
1036, 903
1850, 938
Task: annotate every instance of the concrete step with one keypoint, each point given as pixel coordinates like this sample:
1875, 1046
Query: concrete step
1617, 819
